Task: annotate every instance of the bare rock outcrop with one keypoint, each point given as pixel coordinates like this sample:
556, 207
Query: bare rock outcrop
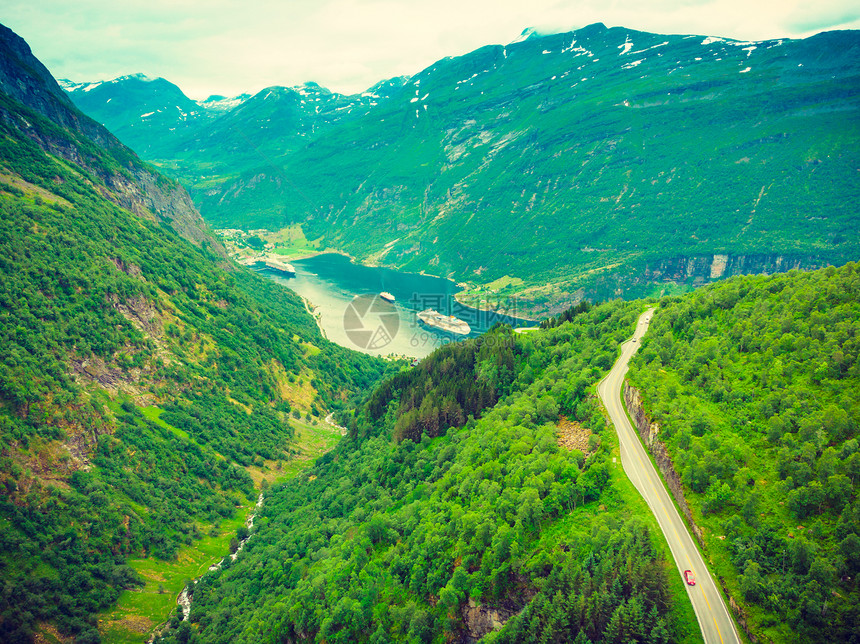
572, 435
142, 314
650, 435
480, 620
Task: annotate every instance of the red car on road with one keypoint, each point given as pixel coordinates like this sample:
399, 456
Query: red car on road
689, 577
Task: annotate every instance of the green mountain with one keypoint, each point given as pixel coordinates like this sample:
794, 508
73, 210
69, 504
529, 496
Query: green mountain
74, 137
145, 113
146, 384
753, 385
221, 135
144, 381
597, 162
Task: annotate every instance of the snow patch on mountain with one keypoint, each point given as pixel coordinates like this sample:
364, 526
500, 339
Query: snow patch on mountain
527, 33
310, 89
662, 44
143, 78
71, 86
581, 51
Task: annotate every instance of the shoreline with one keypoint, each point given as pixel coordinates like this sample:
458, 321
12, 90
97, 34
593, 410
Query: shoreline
490, 309
310, 307
335, 251
459, 296
308, 254
262, 256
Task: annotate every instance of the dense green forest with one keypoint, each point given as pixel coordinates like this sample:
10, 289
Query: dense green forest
407, 533
448, 386
138, 380
754, 383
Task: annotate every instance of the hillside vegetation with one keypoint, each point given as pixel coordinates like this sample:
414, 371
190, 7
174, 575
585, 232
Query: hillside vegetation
140, 381
754, 384
423, 534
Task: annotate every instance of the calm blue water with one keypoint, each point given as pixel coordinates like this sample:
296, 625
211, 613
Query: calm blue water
331, 282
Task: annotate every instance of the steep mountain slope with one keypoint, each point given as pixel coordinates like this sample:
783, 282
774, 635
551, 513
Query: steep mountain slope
266, 127
755, 388
427, 527
72, 136
219, 136
608, 160
140, 381
143, 112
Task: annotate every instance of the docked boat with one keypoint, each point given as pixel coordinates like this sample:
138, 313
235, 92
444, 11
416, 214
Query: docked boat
281, 267
388, 297
448, 323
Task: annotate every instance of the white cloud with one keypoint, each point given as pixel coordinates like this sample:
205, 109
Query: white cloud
823, 14
228, 47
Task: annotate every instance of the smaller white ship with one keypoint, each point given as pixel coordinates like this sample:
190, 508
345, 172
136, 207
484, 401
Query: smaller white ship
388, 297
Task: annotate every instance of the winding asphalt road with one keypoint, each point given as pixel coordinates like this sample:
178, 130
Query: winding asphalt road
714, 620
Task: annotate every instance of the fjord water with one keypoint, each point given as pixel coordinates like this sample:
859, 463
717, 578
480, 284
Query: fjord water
330, 283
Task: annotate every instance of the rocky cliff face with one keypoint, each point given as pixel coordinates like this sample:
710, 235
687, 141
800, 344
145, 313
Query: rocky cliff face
650, 435
24, 78
129, 183
151, 196
479, 620
704, 268
643, 279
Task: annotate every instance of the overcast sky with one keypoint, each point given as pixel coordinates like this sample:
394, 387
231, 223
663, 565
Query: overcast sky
229, 47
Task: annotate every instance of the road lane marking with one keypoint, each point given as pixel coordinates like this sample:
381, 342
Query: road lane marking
662, 505
629, 440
